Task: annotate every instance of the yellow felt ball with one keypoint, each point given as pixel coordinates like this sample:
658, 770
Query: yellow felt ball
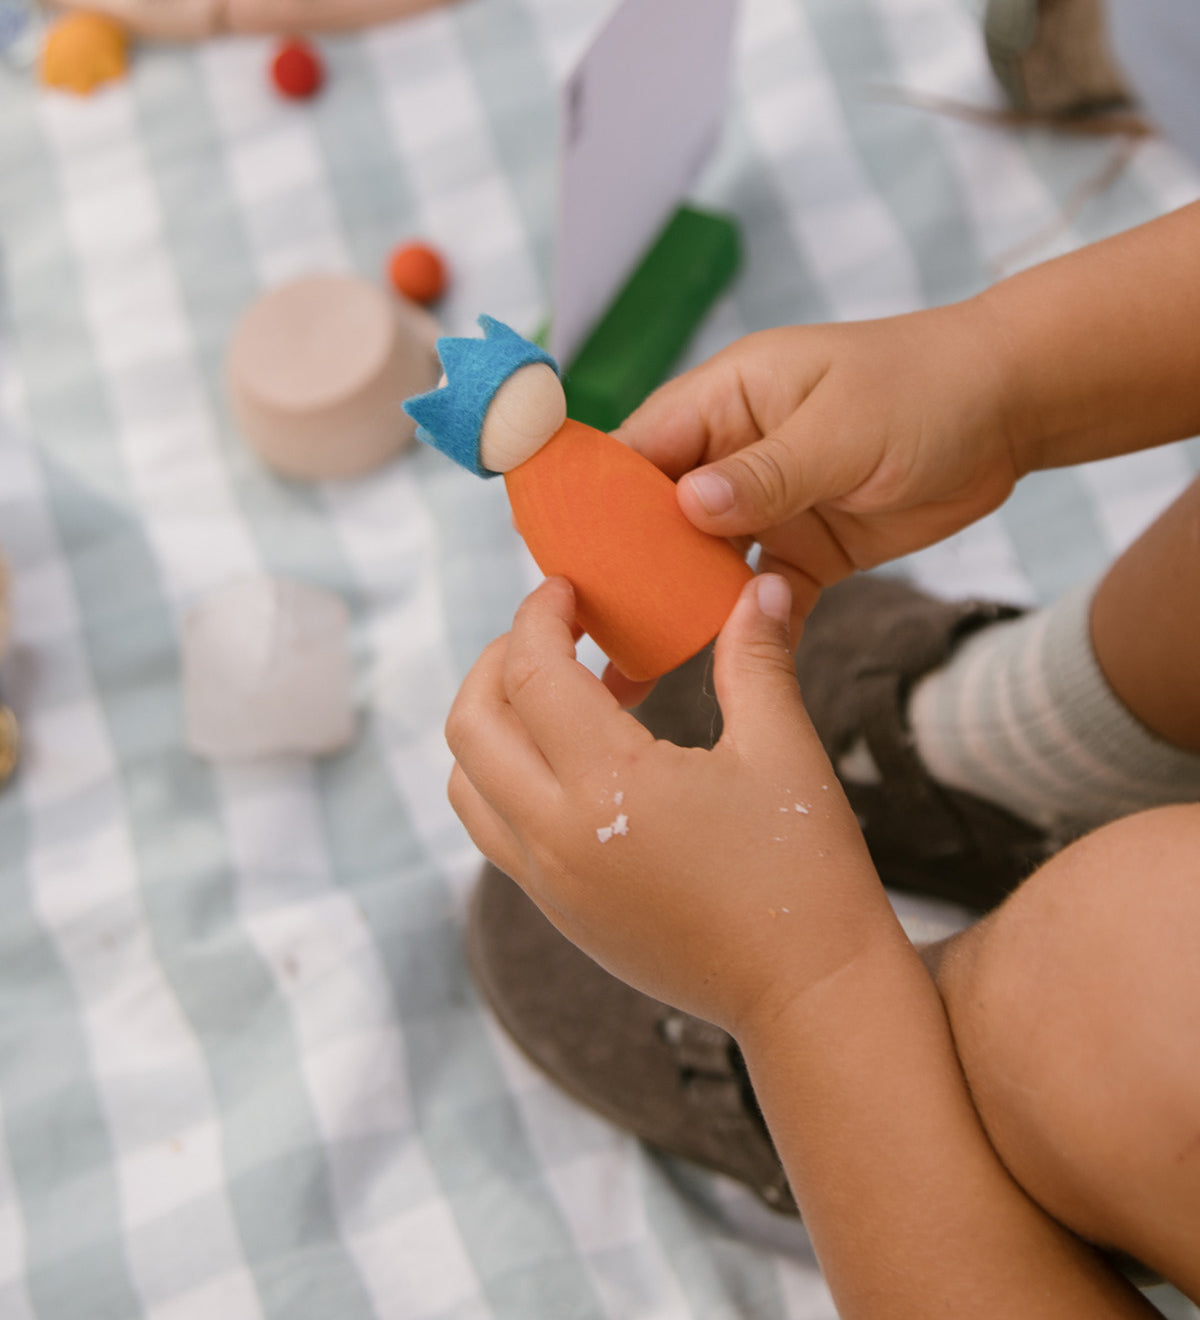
83, 50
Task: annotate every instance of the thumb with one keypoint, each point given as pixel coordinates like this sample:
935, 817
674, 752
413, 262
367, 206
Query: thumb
769, 481
753, 668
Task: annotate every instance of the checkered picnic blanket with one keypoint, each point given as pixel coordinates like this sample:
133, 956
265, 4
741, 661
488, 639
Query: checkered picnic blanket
243, 1070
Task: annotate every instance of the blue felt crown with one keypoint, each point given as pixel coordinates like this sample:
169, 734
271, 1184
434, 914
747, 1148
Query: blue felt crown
450, 418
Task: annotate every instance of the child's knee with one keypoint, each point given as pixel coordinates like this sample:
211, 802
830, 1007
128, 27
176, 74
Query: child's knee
1076, 1008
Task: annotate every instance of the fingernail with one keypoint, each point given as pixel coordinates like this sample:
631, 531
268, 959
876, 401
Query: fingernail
775, 597
712, 490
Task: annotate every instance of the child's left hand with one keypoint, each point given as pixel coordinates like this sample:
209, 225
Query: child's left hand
724, 882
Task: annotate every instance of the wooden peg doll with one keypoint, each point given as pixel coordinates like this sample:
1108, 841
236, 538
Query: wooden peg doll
650, 588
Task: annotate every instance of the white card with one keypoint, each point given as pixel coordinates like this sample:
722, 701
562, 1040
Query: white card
640, 114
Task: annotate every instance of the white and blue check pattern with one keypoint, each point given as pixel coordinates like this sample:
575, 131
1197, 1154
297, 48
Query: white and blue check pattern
243, 1071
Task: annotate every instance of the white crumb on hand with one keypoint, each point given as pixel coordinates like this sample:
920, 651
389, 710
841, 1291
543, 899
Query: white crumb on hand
800, 807
619, 797
619, 826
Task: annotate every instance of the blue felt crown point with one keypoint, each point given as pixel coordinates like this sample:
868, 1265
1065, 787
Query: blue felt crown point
450, 418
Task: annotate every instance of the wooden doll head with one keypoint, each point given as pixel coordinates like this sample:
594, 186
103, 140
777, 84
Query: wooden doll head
525, 412
501, 401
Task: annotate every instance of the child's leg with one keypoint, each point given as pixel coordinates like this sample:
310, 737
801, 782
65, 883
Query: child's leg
1146, 624
1077, 714
1075, 1008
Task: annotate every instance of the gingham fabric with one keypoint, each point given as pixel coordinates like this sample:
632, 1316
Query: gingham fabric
243, 1071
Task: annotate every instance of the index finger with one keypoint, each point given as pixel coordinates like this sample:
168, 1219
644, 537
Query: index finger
728, 402
573, 719
671, 428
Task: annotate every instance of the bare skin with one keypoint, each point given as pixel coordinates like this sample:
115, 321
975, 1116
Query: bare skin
1073, 1007
843, 446
1146, 624
1071, 1004
956, 1141
912, 1208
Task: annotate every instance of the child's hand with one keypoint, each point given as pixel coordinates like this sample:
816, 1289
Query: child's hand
839, 446
721, 881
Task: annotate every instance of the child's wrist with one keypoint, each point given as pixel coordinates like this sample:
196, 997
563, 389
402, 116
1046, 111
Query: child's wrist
801, 1021
847, 934
1015, 421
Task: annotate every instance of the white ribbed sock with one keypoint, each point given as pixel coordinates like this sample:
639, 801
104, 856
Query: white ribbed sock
1021, 715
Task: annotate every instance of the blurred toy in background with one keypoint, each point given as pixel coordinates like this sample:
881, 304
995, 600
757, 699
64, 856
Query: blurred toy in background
9, 734
267, 672
1054, 57
190, 20
316, 15
164, 20
317, 371
87, 43
297, 70
418, 271
650, 589
82, 51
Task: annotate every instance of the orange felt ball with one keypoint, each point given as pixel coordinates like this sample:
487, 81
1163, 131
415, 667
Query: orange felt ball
296, 70
417, 272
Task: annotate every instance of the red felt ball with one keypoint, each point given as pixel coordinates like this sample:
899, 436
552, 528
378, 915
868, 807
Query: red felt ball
418, 272
296, 69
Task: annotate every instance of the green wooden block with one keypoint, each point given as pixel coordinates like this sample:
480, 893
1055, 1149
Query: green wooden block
643, 333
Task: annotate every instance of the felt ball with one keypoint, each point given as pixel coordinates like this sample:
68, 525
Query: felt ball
297, 70
83, 50
418, 272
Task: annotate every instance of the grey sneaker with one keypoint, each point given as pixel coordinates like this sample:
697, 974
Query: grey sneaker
866, 644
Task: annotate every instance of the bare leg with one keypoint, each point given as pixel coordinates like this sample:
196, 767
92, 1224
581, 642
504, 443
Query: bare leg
1146, 624
1075, 1009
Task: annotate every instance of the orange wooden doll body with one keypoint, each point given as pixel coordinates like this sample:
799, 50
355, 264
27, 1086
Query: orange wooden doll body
650, 588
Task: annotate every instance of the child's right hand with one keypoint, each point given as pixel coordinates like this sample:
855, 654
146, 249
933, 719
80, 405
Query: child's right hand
725, 882
838, 447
